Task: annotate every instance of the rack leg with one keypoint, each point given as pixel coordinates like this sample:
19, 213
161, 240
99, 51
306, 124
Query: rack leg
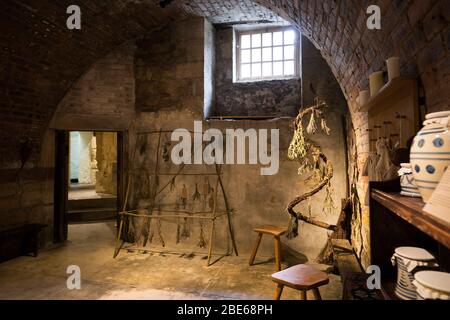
118, 240
211, 238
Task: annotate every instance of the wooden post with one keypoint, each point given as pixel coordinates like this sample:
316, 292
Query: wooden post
211, 235
147, 225
227, 207
119, 234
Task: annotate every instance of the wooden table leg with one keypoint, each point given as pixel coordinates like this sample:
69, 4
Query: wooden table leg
255, 249
277, 253
278, 292
317, 294
303, 295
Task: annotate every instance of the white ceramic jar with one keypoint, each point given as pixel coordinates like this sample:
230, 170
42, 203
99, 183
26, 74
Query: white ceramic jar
432, 285
407, 260
407, 182
393, 66
430, 152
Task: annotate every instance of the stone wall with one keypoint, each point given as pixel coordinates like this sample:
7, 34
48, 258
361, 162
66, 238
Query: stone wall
106, 175
261, 98
85, 167
26, 190
257, 199
169, 67
209, 69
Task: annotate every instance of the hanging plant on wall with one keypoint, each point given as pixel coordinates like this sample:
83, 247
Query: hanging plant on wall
312, 162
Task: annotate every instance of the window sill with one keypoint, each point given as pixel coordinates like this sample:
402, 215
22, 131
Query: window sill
266, 80
247, 118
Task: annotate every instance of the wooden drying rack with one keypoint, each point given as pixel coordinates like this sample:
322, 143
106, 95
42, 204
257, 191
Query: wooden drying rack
177, 214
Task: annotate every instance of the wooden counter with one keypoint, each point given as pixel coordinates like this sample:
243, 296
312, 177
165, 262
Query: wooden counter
410, 210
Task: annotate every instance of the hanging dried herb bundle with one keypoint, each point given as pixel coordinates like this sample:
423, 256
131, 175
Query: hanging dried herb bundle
313, 162
201, 240
196, 195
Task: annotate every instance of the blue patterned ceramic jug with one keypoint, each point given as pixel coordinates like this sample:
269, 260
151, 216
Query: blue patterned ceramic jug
430, 152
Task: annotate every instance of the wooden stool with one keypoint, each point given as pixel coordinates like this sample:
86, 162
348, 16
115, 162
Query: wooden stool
300, 277
277, 232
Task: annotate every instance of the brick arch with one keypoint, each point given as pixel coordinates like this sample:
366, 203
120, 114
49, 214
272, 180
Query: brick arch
416, 31
40, 59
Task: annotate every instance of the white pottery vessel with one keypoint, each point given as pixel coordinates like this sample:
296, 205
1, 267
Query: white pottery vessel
407, 183
432, 285
430, 152
364, 96
393, 66
408, 260
376, 82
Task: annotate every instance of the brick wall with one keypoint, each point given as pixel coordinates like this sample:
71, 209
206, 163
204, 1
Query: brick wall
103, 97
415, 30
41, 58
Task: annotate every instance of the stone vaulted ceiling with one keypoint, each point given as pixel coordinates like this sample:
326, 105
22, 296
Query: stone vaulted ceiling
229, 11
40, 58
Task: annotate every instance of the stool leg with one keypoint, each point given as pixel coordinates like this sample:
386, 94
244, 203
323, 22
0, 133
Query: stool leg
278, 292
303, 295
317, 294
255, 249
277, 253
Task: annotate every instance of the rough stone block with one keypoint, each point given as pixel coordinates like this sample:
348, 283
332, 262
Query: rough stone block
437, 19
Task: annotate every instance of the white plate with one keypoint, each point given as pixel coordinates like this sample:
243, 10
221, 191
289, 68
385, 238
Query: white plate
436, 280
414, 253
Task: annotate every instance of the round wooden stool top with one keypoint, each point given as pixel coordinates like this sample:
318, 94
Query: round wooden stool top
301, 277
273, 230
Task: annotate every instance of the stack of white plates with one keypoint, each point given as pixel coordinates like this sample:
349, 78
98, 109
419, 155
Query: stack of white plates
408, 259
433, 285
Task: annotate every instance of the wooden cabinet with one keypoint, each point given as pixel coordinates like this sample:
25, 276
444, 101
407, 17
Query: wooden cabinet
397, 221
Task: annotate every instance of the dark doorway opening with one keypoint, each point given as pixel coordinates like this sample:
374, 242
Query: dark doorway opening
88, 178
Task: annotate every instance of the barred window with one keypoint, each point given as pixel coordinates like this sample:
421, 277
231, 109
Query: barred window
267, 54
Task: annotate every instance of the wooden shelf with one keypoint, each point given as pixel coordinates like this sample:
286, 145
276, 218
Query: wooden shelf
398, 87
410, 210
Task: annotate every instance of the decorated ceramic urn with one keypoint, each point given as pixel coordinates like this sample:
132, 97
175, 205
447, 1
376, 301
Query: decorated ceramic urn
430, 152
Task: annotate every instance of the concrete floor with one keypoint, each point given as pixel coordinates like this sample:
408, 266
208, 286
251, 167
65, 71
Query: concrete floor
80, 192
136, 275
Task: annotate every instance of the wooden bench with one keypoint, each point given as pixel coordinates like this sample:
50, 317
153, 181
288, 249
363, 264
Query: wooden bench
19, 240
276, 232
